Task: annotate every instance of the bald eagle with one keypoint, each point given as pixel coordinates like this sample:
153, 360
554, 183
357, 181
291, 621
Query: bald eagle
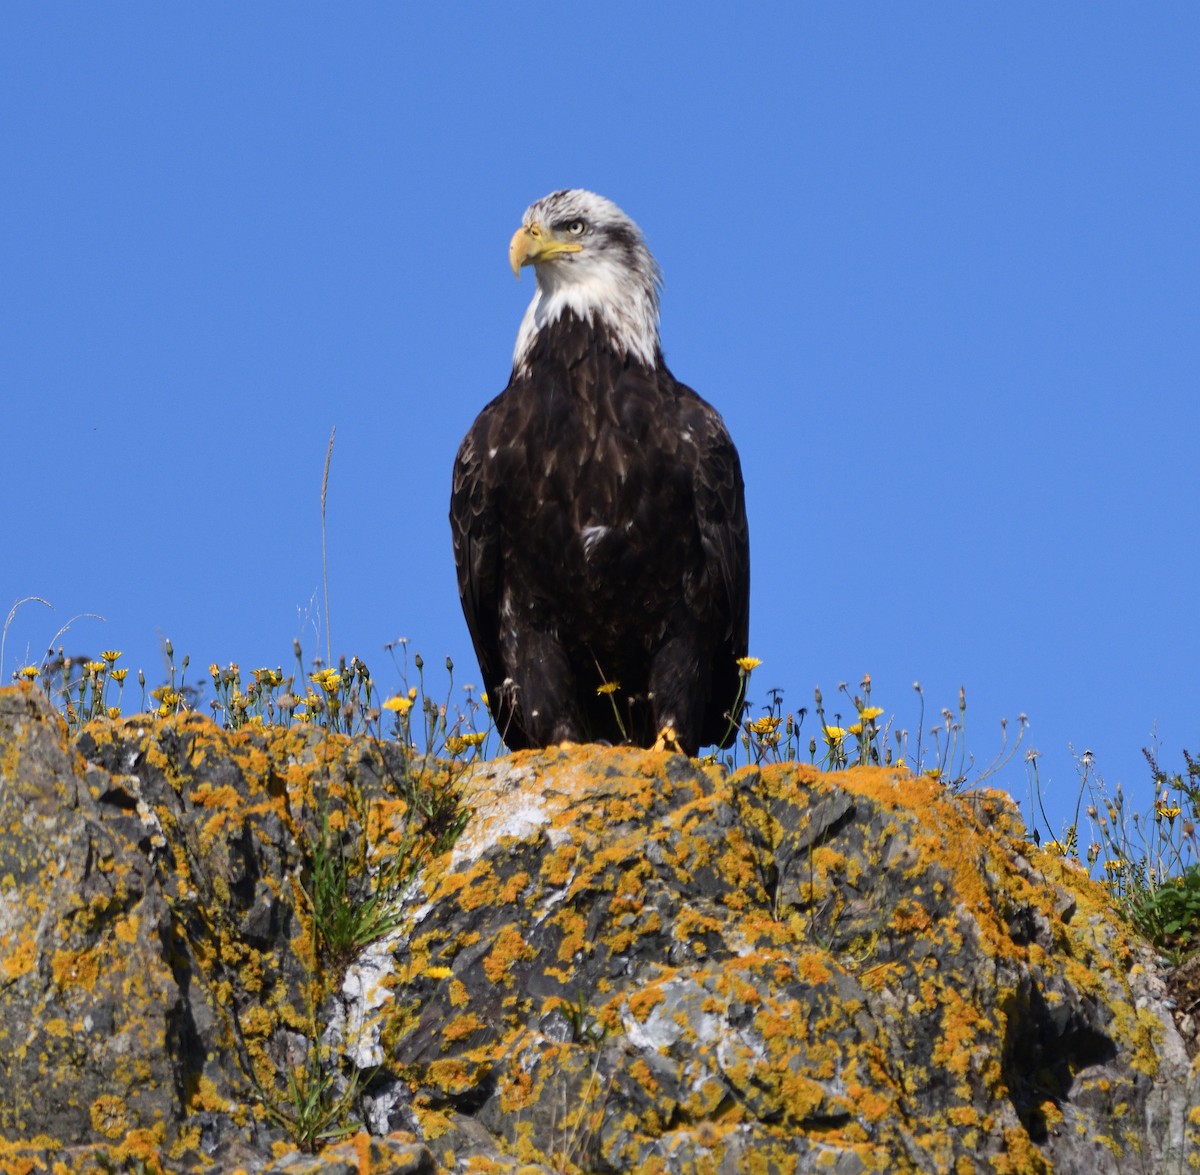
598, 510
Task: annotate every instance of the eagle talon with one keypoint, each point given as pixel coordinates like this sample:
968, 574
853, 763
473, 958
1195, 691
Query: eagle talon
668, 740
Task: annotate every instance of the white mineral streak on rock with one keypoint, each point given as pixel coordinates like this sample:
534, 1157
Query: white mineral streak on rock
363, 991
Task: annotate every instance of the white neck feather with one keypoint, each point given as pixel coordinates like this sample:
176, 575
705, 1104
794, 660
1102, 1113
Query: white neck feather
594, 290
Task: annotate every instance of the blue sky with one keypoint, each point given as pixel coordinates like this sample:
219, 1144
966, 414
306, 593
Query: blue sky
937, 265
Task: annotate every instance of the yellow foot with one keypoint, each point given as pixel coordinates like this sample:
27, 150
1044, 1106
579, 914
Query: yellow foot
667, 741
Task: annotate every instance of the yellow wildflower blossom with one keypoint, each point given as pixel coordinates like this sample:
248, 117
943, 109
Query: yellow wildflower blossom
28, 672
400, 704
834, 735
748, 664
767, 725
609, 687
870, 713
110, 655
119, 675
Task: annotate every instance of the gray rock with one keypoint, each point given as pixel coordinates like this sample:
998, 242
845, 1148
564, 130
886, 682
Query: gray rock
627, 962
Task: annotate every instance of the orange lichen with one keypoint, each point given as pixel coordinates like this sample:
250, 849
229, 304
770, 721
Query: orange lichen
512, 888
642, 1002
461, 1027
509, 947
75, 968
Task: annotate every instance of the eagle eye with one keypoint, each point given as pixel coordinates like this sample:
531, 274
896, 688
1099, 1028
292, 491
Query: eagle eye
577, 228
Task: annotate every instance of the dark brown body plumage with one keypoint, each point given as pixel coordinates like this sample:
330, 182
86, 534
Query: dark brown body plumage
600, 534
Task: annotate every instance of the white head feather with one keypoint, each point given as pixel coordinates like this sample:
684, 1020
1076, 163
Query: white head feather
613, 277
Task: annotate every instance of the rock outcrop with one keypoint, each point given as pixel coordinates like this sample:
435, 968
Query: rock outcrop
253, 951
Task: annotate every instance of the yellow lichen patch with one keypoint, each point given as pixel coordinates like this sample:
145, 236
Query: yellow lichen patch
461, 1027
454, 1075
910, 918
574, 933
109, 1116
75, 968
16, 958
556, 869
811, 967
480, 888
126, 929
961, 1023
142, 1146
1021, 1156
517, 1091
869, 1103
641, 1003
508, 949
513, 888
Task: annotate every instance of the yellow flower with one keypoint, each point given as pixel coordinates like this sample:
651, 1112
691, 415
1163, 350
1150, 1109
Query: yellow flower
110, 655
29, 672
834, 735
119, 675
95, 666
1114, 866
856, 729
870, 713
438, 972
748, 664
399, 704
767, 725
609, 687
114, 712
475, 739
215, 670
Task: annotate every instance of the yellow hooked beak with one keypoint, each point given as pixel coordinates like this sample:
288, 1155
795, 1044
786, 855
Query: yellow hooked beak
532, 243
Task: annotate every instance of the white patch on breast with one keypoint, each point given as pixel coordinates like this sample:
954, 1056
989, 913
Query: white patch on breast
591, 535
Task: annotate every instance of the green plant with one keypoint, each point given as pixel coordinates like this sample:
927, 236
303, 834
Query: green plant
1168, 914
319, 1108
1150, 860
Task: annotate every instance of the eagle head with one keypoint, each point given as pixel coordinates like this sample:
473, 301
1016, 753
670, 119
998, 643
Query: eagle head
592, 261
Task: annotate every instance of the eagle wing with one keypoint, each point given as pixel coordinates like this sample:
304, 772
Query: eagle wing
476, 536
720, 498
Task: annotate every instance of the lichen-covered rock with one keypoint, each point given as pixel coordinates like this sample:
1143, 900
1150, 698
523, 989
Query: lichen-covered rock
627, 962
632, 963
161, 995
